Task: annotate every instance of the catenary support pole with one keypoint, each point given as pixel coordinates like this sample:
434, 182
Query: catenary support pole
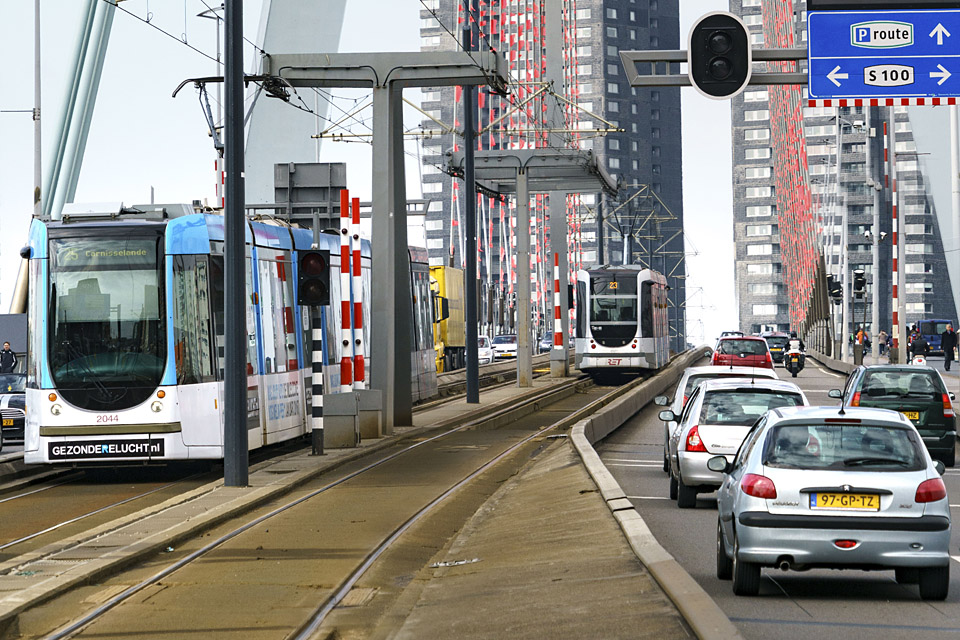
470, 213
37, 166
524, 353
844, 251
235, 457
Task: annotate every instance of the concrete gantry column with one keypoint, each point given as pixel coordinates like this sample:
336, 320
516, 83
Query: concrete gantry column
524, 348
388, 74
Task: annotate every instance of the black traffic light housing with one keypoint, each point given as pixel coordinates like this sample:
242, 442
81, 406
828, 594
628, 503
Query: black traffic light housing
719, 56
859, 283
313, 278
835, 289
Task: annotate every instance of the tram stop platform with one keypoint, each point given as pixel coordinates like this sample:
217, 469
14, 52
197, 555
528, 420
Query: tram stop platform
561, 552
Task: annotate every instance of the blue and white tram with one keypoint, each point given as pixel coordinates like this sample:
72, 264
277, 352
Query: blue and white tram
621, 320
126, 316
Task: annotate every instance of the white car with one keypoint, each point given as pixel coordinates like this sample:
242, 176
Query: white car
691, 379
505, 346
715, 421
484, 350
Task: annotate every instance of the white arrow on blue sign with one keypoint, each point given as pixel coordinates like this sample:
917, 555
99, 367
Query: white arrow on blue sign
883, 54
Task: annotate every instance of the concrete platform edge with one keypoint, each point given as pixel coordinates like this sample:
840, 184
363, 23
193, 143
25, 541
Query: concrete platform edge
699, 610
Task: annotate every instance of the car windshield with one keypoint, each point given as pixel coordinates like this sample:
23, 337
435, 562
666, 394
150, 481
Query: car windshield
778, 341
748, 347
696, 380
843, 447
483, 343
744, 406
917, 384
505, 340
13, 382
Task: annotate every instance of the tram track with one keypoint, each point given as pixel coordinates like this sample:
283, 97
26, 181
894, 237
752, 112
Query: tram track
481, 442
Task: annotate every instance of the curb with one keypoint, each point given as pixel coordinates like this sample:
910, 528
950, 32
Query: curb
704, 616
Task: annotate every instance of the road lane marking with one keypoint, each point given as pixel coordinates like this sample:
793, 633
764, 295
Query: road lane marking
829, 373
647, 498
957, 558
651, 465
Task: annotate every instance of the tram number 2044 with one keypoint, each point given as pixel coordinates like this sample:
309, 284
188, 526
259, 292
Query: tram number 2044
107, 417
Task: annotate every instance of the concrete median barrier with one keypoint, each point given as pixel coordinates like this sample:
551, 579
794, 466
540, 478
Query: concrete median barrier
705, 618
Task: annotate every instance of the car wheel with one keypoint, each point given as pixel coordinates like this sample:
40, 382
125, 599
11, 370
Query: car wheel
746, 575
907, 575
724, 563
686, 496
673, 488
934, 582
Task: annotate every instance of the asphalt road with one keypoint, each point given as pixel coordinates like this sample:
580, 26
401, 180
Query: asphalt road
813, 604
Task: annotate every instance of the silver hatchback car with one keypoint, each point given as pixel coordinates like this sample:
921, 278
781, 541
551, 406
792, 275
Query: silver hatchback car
715, 420
818, 487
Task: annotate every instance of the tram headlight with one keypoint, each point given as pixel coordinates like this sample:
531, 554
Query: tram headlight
55, 409
156, 406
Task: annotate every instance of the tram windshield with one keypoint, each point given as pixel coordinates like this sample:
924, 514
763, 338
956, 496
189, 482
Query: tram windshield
107, 343
613, 299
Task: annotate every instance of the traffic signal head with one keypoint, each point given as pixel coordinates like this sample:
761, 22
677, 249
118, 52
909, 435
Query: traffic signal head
719, 56
313, 278
859, 282
834, 287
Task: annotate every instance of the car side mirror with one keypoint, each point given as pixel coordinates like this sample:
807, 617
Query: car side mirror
953, 396
668, 416
661, 401
835, 393
939, 467
719, 464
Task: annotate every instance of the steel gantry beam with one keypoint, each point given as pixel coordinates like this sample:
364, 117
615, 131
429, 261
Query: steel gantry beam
387, 74
656, 68
522, 172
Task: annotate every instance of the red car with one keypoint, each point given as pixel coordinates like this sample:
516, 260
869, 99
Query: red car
743, 351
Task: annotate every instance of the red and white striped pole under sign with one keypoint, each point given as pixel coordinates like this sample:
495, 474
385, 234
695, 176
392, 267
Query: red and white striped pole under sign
358, 372
557, 311
346, 335
890, 169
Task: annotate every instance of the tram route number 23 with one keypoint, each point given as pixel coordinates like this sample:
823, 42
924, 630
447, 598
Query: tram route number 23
107, 417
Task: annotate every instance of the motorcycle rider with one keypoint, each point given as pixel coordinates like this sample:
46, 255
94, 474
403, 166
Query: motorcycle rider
919, 347
796, 344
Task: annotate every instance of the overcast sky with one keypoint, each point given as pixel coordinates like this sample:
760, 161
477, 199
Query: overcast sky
141, 138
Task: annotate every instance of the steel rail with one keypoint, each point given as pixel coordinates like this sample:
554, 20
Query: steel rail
78, 625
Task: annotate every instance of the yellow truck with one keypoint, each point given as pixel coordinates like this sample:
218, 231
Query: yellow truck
449, 324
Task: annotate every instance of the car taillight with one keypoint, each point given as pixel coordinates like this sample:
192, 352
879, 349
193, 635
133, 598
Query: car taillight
715, 358
758, 486
685, 400
855, 402
769, 359
931, 491
947, 407
694, 443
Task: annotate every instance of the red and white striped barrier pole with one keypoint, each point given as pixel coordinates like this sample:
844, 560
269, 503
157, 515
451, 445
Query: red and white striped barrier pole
346, 337
891, 182
557, 311
359, 344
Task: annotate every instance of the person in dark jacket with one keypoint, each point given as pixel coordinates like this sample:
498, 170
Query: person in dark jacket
8, 359
948, 342
919, 347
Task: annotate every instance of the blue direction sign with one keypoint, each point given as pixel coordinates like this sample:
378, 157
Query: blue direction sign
883, 54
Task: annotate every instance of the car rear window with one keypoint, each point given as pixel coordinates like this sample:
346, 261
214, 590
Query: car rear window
901, 384
749, 347
779, 341
696, 380
744, 407
843, 447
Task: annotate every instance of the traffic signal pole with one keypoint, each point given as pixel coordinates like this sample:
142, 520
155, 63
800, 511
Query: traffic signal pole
470, 209
235, 450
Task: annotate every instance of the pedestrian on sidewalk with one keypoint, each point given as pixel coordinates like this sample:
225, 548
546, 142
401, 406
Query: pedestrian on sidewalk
882, 337
948, 341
